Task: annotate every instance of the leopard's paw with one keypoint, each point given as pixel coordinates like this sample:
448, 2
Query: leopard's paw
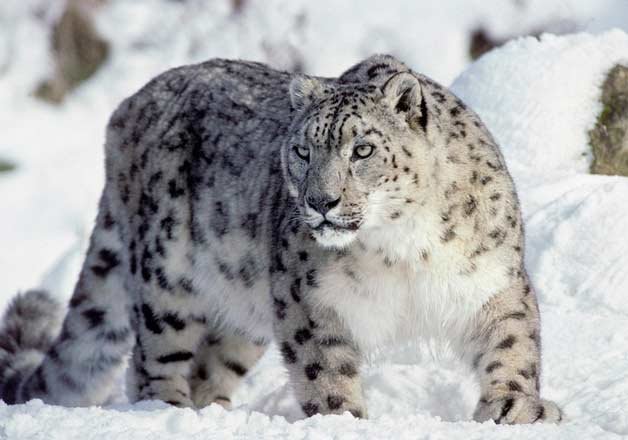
518, 408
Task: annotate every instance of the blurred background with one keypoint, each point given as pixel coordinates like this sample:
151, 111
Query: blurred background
66, 64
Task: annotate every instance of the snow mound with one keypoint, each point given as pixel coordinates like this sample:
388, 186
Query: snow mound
540, 97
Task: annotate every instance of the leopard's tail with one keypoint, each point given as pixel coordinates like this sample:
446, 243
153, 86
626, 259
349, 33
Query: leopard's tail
76, 360
29, 328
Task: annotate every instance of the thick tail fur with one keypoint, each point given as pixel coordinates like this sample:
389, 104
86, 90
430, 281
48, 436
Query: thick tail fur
76, 359
29, 327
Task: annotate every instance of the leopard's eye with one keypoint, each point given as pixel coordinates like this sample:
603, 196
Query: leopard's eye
302, 152
363, 151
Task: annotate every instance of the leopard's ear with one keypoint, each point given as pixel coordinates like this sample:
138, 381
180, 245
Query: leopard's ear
403, 93
304, 90
375, 70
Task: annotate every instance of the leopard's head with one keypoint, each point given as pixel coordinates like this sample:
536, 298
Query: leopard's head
352, 157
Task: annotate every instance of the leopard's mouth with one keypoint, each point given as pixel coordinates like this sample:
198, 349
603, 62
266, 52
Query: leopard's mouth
333, 235
326, 224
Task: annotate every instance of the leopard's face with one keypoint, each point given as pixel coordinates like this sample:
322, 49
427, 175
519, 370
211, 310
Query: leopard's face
350, 158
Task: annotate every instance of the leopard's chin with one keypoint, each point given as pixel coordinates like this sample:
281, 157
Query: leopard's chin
329, 235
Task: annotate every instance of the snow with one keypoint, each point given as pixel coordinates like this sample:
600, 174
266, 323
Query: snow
154, 421
538, 97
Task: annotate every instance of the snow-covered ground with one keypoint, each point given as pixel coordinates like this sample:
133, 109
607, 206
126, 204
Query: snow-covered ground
538, 97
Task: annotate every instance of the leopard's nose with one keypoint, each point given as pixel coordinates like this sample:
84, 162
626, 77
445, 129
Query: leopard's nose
322, 204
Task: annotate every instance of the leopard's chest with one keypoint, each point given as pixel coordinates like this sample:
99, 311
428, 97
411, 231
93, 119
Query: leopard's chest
383, 298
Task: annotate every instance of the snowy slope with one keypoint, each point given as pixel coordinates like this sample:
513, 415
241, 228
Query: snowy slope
538, 97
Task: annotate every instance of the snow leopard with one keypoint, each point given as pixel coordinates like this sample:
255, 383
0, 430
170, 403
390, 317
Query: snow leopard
330, 216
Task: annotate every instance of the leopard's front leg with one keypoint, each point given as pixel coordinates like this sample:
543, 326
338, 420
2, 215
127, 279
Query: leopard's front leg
322, 360
507, 359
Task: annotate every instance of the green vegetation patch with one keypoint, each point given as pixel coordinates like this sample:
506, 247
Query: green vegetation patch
6, 166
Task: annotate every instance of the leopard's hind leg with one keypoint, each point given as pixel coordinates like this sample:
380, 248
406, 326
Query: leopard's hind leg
220, 364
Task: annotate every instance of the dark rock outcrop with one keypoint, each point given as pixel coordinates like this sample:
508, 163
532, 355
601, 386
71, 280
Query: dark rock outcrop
609, 137
78, 50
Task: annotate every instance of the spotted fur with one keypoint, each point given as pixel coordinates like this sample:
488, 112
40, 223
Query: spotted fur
334, 216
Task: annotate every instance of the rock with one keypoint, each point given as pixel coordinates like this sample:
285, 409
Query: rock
609, 137
481, 42
238, 5
78, 50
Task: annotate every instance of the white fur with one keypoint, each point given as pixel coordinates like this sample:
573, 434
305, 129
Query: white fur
334, 238
329, 237
433, 298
